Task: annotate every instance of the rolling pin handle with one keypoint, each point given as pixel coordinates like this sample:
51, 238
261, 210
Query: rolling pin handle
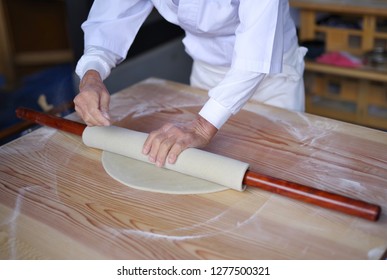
314, 196
51, 121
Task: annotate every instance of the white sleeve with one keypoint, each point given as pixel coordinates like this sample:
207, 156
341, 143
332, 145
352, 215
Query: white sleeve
109, 32
97, 59
259, 38
230, 95
258, 50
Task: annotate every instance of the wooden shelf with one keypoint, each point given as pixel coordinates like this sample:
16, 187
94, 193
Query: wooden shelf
356, 95
43, 57
357, 7
327, 29
358, 73
380, 35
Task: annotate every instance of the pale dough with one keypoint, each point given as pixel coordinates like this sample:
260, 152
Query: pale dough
145, 176
195, 171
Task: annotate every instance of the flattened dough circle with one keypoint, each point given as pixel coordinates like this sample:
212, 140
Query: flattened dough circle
147, 177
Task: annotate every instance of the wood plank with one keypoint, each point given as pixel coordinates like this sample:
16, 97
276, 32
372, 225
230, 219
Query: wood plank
360, 73
6, 51
359, 7
369, 29
308, 23
43, 57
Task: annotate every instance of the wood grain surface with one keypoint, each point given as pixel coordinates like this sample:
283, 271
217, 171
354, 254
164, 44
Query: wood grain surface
57, 202
372, 7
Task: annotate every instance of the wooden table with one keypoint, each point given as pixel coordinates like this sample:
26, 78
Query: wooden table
57, 202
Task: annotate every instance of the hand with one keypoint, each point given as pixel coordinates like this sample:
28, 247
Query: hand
92, 102
170, 140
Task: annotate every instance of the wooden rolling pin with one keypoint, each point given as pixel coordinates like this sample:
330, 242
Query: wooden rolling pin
293, 190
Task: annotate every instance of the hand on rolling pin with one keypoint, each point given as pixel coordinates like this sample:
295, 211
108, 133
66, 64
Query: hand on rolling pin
92, 102
170, 140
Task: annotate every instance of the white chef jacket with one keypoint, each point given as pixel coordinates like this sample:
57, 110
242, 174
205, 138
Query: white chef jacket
249, 37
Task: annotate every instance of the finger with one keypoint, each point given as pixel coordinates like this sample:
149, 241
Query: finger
174, 152
104, 105
78, 110
84, 102
106, 115
148, 142
96, 117
90, 114
85, 116
164, 150
154, 155
152, 136
156, 139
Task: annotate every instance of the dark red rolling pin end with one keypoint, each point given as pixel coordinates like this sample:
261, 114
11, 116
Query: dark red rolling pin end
51, 121
314, 196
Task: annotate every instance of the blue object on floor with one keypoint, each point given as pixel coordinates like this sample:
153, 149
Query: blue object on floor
55, 83
2, 81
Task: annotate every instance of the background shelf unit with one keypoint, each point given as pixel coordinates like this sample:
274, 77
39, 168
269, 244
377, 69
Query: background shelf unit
356, 95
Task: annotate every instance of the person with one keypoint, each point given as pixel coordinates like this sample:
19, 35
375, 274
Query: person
241, 49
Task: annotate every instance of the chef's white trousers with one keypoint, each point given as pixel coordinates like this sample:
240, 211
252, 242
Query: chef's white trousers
284, 90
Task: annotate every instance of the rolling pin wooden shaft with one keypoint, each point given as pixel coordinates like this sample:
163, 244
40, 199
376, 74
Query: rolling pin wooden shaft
293, 190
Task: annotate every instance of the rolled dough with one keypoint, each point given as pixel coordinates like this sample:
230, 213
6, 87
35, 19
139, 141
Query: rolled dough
195, 171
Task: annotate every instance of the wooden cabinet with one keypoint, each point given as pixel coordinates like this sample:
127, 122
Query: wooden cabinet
33, 35
357, 95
